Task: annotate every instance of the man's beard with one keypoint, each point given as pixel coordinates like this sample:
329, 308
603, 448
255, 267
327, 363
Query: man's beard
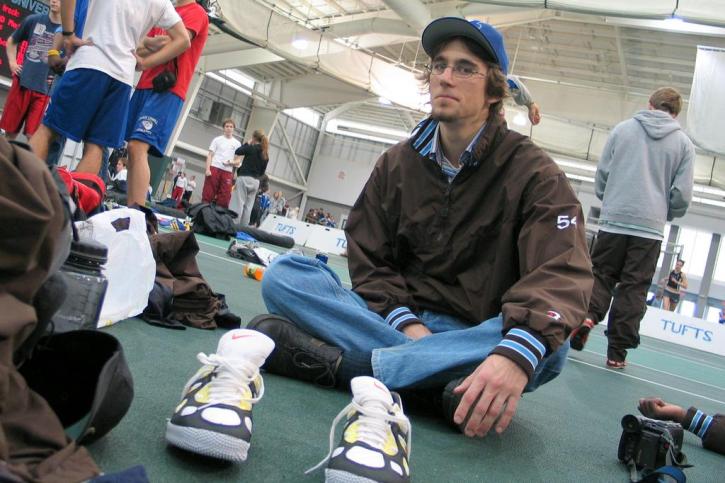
441, 117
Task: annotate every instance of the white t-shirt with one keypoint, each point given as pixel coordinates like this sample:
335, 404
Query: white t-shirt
181, 182
223, 149
121, 175
191, 185
116, 28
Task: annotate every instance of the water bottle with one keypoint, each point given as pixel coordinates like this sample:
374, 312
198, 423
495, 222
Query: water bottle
86, 286
252, 270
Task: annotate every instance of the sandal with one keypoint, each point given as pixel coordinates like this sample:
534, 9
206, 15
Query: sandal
612, 364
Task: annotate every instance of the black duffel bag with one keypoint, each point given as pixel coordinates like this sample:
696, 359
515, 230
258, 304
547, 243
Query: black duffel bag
213, 220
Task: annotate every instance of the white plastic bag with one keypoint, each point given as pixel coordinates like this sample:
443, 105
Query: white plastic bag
130, 269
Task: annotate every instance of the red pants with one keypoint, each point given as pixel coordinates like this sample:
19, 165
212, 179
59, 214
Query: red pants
217, 187
23, 105
177, 193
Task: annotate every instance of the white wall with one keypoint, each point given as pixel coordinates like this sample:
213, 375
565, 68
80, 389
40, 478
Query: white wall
342, 167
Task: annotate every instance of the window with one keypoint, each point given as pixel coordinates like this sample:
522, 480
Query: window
219, 112
218, 100
686, 308
695, 248
306, 115
712, 314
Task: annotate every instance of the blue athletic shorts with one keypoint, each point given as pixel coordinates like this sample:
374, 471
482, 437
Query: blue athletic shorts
152, 117
89, 105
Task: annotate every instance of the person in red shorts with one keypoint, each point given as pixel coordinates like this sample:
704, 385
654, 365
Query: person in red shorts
220, 166
28, 95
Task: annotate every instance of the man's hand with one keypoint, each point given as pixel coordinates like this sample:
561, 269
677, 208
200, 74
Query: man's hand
492, 391
534, 114
72, 42
208, 171
416, 331
15, 68
656, 408
154, 44
57, 63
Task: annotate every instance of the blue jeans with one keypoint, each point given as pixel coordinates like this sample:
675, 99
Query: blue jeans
309, 293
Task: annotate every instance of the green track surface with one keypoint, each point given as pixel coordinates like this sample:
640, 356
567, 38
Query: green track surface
568, 430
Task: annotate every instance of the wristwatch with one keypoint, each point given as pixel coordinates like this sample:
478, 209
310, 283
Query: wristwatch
68, 33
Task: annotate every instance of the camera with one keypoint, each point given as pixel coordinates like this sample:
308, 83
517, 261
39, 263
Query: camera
164, 81
648, 442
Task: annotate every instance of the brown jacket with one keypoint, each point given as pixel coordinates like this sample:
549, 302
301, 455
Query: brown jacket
711, 429
34, 241
506, 236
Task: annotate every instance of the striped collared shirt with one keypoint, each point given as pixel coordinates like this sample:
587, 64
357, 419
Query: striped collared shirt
432, 151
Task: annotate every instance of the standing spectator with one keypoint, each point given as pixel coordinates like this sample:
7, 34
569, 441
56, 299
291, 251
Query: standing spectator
644, 179
721, 317
256, 157
261, 202
179, 187
189, 190
674, 283
278, 204
57, 61
154, 108
28, 95
91, 102
219, 167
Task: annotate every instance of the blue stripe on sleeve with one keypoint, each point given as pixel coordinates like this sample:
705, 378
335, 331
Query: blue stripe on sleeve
695, 421
705, 427
530, 339
521, 349
402, 319
395, 313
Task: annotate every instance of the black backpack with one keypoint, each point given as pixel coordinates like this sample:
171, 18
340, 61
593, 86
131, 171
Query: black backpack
213, 220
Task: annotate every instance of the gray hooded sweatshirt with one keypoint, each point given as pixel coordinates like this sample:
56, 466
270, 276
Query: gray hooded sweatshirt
645, 175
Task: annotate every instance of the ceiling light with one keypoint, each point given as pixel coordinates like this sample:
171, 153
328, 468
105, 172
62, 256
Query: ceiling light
300, 44
520, 119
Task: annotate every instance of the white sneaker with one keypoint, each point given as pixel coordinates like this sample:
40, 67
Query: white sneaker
375, 445
214, 417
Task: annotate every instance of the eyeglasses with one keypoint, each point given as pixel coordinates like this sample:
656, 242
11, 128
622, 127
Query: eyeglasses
462, 71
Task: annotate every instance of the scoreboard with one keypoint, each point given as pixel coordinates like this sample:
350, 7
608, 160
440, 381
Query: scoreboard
12, 13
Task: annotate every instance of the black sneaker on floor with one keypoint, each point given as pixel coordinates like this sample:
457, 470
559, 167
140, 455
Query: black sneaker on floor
297, 354
451, 401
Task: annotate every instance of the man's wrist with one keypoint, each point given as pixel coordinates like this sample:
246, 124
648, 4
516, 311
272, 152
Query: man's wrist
68, 33
522, 347
400, 317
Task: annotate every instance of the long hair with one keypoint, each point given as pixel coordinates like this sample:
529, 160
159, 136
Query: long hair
259, 136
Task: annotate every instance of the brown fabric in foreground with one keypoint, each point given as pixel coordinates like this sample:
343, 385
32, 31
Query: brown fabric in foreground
33, 446
194, 302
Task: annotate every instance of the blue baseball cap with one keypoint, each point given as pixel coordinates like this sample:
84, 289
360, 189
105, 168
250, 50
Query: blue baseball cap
485, 35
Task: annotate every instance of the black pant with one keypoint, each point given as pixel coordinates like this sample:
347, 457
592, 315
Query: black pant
623, 267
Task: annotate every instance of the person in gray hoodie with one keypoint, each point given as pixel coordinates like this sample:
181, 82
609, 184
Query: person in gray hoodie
644, 179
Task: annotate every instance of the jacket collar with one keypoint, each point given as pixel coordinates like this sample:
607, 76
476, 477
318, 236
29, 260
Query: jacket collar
423, 137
